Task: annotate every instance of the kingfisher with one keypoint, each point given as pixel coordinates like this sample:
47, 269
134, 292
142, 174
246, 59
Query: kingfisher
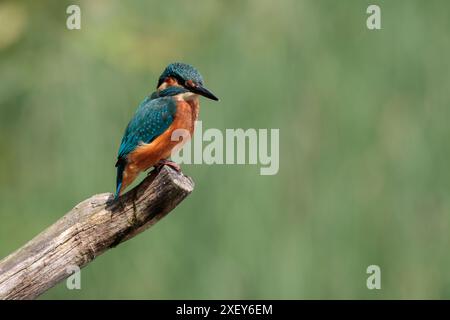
147, 141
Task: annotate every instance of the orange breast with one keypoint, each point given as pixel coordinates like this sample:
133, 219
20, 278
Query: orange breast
147, 155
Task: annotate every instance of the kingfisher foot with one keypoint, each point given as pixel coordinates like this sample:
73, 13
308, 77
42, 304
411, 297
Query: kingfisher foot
169, 163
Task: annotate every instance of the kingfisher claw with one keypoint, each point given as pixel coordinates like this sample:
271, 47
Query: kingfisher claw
169, 163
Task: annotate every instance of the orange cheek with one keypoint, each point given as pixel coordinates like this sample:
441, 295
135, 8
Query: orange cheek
171, 81
168, 82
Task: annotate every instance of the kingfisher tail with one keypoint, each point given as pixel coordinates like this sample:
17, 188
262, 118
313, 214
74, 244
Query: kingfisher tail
120, 164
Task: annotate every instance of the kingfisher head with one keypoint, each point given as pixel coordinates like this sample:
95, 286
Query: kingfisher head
186, 76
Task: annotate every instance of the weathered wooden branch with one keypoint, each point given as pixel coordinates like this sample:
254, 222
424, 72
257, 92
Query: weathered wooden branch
92, 227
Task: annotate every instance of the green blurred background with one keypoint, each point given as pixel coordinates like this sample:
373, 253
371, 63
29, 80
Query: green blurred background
364, 151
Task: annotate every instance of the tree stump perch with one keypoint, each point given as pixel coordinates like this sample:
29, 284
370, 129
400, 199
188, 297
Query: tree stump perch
89, 229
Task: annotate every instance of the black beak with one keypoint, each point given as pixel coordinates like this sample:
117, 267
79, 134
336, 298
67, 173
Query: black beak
203, 92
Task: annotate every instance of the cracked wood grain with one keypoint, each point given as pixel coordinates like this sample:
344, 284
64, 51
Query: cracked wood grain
89, 229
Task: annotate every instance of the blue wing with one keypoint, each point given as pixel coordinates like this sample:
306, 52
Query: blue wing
152, 118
